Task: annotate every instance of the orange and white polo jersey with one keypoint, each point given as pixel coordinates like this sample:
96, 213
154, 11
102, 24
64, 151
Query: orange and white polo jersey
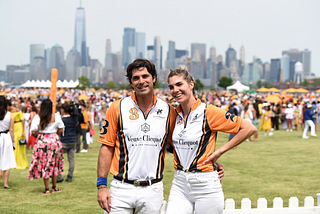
139, 141
195, 141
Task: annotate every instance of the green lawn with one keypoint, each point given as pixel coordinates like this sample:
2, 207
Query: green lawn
283, 165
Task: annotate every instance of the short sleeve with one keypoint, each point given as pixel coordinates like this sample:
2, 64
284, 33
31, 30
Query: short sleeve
59, 121
220, 120
35, 123
109, 131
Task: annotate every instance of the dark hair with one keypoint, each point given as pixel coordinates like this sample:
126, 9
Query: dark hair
141, 63
66, 107
45, 113
3, 107
34, 107
182, 71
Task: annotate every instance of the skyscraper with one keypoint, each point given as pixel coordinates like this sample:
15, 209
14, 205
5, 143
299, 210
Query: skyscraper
157, 53
285, 67
171, 55
108, 46
129, 39
275, 69
140, 45
80, 42
36, 50
73, 61
231, 55
198, 53
306, 61
57, 61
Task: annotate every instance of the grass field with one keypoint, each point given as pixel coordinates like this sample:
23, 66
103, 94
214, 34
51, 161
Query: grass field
283, 165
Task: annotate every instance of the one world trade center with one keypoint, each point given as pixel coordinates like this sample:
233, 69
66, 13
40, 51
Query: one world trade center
80, 43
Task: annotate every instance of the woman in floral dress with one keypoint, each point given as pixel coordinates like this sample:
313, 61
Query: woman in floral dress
47, 158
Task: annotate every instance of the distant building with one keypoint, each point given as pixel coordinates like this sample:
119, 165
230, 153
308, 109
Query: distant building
18, 75
38, 69
108, 46
231, 55
266, 71
57, 61
285, 67
251, 73
80, 41
298, 75
306, 61
275, 69
198, 53
129, 38
197, 70
157, 54
36, 50
242, 60
73, 61
171, 55
95, 71
140, 45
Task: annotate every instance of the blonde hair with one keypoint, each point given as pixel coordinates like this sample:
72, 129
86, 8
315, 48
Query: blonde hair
182, 71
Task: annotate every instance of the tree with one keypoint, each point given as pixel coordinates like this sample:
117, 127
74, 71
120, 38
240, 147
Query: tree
259, 84
157, 84
198, 85
111, 85
84, 83
304, 83
224, 82
124, 86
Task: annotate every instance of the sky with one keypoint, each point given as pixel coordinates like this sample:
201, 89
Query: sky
264, 27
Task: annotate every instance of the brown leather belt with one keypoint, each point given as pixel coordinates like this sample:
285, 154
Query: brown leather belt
138, 183
18, 121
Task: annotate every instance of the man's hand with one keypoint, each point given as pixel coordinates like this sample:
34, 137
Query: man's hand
220, 169
104, 199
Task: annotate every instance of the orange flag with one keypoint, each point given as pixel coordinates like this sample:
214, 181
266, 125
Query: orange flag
53, 89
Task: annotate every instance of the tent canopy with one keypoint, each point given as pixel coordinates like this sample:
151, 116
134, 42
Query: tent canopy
47, 84
238, 86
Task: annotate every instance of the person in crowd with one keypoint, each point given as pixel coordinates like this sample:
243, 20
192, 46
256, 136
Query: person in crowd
7, 143
247, 115
26, 115
297, 116
141, 114
31, 139
289, 117
308, 122
255, 120
267, 114
47, 157
68, 138
315, 114
84, 127
102, 115
19, 133
78, 129
196, 187
284, 124
277, 115
90, 112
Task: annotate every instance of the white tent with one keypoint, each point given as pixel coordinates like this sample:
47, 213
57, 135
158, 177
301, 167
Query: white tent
238, 86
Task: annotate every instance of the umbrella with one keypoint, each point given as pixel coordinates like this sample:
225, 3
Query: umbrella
93, 90
234, 96
45, 94
262, 89
290, 90
273, 90
318, 90
83, 97
302, 90
117, 95
273, 99
228, 95
156, 91
61, 91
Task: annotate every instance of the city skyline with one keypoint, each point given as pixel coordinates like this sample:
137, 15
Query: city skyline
180, 30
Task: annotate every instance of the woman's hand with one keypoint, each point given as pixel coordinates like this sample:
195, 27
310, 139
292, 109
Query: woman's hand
23, 135
213, 157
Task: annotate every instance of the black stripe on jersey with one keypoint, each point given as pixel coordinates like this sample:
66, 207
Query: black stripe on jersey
202, 147
160, 170
123, 163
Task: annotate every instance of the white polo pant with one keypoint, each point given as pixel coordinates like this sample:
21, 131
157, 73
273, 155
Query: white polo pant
195, 191
308, 123
130, 199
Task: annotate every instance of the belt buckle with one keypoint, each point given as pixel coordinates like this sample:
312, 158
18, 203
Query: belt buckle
136, 183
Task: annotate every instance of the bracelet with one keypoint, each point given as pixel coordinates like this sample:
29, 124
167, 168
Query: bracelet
102, 181
102, 187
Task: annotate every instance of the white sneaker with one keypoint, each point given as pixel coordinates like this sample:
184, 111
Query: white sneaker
272, 129
83, 150
265, 133
305, 137
287, 130
314, 135
271, 133
290, 130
